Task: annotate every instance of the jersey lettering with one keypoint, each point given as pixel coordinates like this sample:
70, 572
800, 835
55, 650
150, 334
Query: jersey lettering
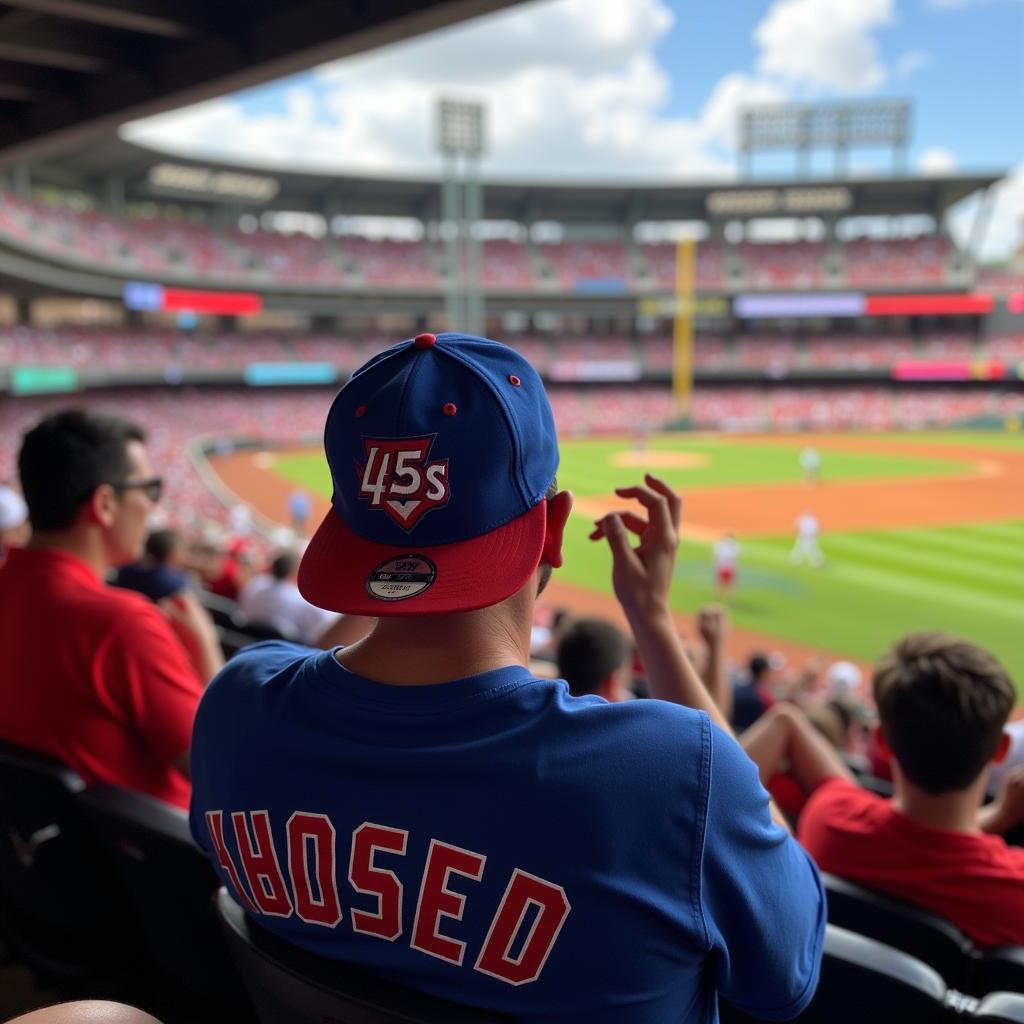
524, 892
259, 863
304, 830
437, 900
520, 938
215, 826
397, 479
370, 880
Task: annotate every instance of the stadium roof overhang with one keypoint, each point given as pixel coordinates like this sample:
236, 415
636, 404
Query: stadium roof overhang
76, 69
147, 174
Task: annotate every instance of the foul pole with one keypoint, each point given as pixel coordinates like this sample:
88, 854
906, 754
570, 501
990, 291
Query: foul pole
682, 361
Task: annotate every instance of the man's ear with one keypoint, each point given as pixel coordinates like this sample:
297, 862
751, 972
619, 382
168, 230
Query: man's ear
99, 507
559, 508
1002, 749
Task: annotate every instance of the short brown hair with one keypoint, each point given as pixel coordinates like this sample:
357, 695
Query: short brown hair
943, 703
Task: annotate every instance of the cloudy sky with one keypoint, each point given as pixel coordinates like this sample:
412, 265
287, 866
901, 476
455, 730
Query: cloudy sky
644, 90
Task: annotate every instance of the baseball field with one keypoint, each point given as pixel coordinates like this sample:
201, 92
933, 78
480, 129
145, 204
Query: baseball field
919, 531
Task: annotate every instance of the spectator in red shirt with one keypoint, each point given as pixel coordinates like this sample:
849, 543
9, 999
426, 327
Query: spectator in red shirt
94, 675
942, 703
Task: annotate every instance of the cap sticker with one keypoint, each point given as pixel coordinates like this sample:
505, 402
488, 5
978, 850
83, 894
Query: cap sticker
400, 578
397, 479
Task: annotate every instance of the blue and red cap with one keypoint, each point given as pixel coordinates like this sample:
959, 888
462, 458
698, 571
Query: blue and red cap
441, 451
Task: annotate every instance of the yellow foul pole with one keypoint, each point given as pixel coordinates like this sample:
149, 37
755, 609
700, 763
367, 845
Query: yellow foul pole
682, 362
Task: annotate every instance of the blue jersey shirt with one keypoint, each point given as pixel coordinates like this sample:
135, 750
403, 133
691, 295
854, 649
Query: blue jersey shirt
497, 842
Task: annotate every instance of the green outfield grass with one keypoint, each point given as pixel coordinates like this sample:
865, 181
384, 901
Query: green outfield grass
875, 585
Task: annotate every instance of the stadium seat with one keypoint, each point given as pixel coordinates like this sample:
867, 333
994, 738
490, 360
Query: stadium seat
170, 883
61, 905
225, 613
1000, 1008
1000, 970
918, 932
864, 980
291, 986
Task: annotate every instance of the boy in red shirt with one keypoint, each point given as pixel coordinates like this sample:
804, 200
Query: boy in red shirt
942, 703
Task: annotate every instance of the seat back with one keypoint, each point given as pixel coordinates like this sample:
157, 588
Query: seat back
1000, 970
864, 980
56, 885
918, 932
170, 883
1000, 1008
290, 986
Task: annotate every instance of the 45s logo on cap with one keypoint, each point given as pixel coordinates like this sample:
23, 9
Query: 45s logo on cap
397, 478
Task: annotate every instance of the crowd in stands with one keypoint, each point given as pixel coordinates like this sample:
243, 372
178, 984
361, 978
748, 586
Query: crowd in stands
188, 250
116, 689
152, 349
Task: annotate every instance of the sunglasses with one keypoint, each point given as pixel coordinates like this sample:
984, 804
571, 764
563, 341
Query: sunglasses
153, 489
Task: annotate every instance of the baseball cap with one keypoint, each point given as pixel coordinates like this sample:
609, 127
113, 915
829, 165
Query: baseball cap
13, 511
441, 451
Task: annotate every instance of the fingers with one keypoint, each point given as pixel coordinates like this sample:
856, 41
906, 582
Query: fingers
657, 506
634, 523
618, 538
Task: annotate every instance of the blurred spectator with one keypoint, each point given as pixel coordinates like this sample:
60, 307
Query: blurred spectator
273, 599
240, 518
112, 693
234, 568
752, 696
159, 573
595, 657
943, 704
13, 520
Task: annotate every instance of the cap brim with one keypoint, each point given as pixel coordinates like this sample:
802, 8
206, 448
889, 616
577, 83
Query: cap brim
338, 564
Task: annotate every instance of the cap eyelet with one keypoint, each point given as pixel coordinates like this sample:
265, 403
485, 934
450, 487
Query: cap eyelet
514, 380
449, 409
360, 411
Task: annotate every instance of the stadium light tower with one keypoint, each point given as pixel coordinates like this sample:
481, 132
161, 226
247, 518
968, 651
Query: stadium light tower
460, 138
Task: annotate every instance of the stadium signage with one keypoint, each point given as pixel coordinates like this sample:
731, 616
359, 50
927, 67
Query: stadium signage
155, 298
842, 304
761, 201
205, 180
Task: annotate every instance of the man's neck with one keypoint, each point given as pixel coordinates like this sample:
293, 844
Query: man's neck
421, 650
952, 812
84, 544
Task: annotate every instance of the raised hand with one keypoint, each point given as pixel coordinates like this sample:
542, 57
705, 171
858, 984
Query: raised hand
642, 575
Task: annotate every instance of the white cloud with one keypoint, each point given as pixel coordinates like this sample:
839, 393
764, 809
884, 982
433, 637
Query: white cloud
824, 44
936, 161
956, 5
912, 61
571, 86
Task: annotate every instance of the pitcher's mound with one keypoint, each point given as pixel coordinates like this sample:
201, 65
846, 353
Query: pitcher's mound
634, 459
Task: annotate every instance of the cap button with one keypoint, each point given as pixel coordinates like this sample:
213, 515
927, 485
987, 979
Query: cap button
424, 340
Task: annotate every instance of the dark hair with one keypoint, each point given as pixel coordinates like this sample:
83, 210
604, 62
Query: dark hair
284, 565
942, 703
65, 457
160, 545
758, 665
589, 651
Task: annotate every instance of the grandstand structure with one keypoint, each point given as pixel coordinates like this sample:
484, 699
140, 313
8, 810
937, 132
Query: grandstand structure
124, 267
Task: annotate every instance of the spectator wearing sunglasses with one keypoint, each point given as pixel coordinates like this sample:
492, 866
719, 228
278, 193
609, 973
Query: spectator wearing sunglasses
95, 675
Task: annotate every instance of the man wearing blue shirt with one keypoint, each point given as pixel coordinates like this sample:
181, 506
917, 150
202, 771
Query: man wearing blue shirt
420, 805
